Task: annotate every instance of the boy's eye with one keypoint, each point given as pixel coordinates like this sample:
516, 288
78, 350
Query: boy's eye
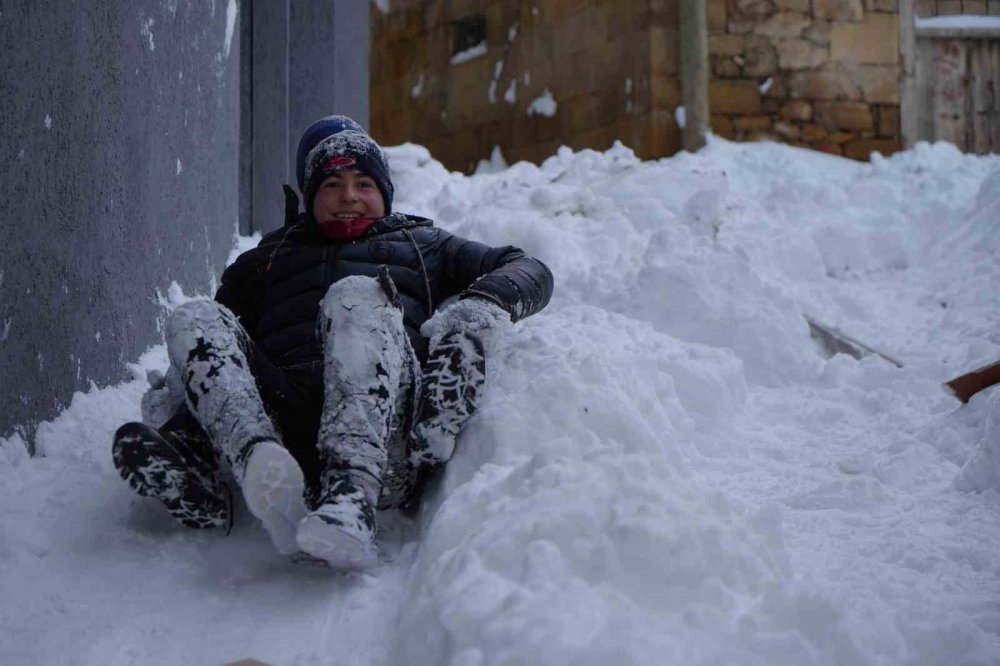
366, 183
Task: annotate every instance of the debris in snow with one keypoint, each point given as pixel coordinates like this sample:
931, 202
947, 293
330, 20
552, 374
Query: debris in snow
48, 122
469, 53
545, 105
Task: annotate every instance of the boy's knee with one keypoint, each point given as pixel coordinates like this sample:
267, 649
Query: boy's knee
344, 296
189, 322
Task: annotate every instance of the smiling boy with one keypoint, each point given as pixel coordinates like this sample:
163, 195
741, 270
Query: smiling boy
309, 376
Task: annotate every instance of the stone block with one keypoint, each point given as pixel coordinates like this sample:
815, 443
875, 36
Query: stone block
723, 126
786, 130
874, 40
782, 24
734, 97
879, 84
725, 67
855, 116
715, 16
738, 24
841, 137
831, 148
801, 6
818, 32
862, 150
813, 132
887, 6
769, 105
760, 58
755, 8
839, 10
800, 54
993, 7
825, 83
752, 123
925, 8
726, 45
796, 109
888, 121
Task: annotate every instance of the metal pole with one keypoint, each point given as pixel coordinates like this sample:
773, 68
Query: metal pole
694, 73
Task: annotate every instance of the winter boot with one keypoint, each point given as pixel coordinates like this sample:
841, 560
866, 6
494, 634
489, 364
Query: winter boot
451, 387
341, 530
368, 361
175, 468
208, 346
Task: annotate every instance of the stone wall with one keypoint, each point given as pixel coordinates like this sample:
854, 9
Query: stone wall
822, 74
610, 66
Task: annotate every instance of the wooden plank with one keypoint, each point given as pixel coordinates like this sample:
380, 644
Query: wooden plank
949, 72
835, 341
971, 383
978, 100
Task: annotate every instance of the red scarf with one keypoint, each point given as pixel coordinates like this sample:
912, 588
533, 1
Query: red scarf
342, 231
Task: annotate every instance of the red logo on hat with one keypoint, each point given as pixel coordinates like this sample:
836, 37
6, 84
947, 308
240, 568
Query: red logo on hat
338, 162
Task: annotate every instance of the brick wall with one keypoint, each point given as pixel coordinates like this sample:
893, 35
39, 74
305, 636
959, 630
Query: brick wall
610, 65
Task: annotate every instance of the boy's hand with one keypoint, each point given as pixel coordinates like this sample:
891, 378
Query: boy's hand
477, 316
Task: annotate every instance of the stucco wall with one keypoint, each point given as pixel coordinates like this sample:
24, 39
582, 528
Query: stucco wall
119, 131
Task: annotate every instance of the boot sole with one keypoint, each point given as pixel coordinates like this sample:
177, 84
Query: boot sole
199, 511
339, 548
273, 487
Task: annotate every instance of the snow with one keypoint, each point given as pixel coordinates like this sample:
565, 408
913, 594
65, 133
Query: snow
469, 53
962, 21
680, 116
418, 87
665, 468
230, 24
543, 105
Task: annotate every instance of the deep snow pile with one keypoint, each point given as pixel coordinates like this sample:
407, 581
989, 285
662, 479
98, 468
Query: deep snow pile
665, 469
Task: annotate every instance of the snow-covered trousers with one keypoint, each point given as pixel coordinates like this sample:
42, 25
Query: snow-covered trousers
371, 378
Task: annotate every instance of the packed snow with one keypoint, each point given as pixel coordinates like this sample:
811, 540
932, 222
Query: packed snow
666, 469
543, 105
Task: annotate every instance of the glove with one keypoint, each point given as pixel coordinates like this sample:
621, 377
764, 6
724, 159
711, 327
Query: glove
164, 397
475, 316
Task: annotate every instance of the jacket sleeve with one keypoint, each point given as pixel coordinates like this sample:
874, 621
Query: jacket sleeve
520, 284
242, 288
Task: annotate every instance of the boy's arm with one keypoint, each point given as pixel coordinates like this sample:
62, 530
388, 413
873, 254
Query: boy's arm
519, 284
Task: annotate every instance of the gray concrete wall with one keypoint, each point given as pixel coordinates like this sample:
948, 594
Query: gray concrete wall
324, 71
135, 136
119, 137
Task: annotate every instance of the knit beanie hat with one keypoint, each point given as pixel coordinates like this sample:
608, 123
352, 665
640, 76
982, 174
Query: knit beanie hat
348, 149
315, 133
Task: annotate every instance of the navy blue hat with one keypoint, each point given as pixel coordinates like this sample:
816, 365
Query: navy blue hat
315, 133
348, 149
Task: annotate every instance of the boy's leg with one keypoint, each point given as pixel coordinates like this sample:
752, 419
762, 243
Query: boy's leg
210, 349
368, 362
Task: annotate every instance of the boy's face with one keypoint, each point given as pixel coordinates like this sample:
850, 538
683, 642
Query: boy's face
347, 194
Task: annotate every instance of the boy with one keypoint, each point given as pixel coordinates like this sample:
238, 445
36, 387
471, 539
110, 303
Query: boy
309, 374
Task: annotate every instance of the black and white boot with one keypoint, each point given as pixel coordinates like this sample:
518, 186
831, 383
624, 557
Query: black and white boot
177, 468
207, 345
451, 388
368, 362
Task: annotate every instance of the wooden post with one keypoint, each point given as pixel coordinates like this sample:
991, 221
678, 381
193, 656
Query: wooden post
694, 73
909, 107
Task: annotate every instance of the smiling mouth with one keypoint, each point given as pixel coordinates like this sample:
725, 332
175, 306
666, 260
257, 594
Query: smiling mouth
347, 216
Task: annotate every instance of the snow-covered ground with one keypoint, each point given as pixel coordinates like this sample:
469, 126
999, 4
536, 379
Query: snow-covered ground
665, 469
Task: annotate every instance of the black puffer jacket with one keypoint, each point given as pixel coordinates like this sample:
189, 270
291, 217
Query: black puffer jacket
275, 289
